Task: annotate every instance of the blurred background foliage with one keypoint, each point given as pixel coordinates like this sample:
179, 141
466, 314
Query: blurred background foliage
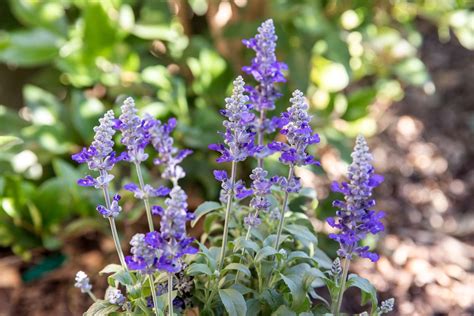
64, 62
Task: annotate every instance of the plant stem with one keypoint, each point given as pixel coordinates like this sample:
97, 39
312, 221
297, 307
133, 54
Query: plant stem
92, 296
170, 294
227, 216
113, 229
260, 135
153, 294
345, 270
149, 216
115, 236
247, 236
283, 210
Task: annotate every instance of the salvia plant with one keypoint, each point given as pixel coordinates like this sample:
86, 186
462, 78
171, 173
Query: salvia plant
255, 255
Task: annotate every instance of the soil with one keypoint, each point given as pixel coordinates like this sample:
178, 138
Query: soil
426, 152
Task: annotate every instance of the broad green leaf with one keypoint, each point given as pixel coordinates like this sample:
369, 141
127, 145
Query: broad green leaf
29, 47
199, 268
101, 307
358, 103
123, 277
204, 209
238, 266
264, 252
111, 268
44, 107
302, 233
233, 301
368, 290
283, 310
47, 14
7, 141
322, 259
242, 243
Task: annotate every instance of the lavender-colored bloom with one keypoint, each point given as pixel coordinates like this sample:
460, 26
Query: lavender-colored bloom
355, 219
83, 282
168, 156
252, 220
386, 306
134, 131
264, 67
174, 241
261, 187
145, 252
291, 186
114, 296
100, 155
147, 192
298, 132
114, 210
239, 189
239, 135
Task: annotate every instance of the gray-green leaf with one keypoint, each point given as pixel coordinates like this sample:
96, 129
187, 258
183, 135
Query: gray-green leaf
234, 302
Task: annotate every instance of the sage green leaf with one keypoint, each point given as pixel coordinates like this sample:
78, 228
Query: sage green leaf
123, 277
283, 310
199, 268
111, 268
241, 243
265, 252
101, 307
7, 141
368, 290
302, 233
234, 302
204, 209
238, 266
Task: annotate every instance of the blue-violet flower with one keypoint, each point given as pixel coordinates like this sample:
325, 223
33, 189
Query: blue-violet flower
355, 219
239, 136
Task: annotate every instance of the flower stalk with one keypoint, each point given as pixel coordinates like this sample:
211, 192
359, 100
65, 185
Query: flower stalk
283, 210
227, 216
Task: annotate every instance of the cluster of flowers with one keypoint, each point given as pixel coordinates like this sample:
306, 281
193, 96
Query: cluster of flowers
156, 250
247, 126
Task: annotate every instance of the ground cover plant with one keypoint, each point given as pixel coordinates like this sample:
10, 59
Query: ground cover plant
256, 255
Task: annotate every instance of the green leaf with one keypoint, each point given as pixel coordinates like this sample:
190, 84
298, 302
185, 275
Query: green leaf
322, 259
238, 266
204, 209
123, 277
412, 71
47, 14
100, 31
358, 103
265, 252
111, 268
242, 243
199, 268
29, 48
6, 142
233, 301
101, 307
302, 233
283, 310
44, 107
368, 290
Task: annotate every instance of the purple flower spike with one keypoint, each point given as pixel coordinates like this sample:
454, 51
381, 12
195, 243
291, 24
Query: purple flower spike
134, 131
168, 156
238, 136
355, 219
265, 68
87, 181
100, 155
298, 132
